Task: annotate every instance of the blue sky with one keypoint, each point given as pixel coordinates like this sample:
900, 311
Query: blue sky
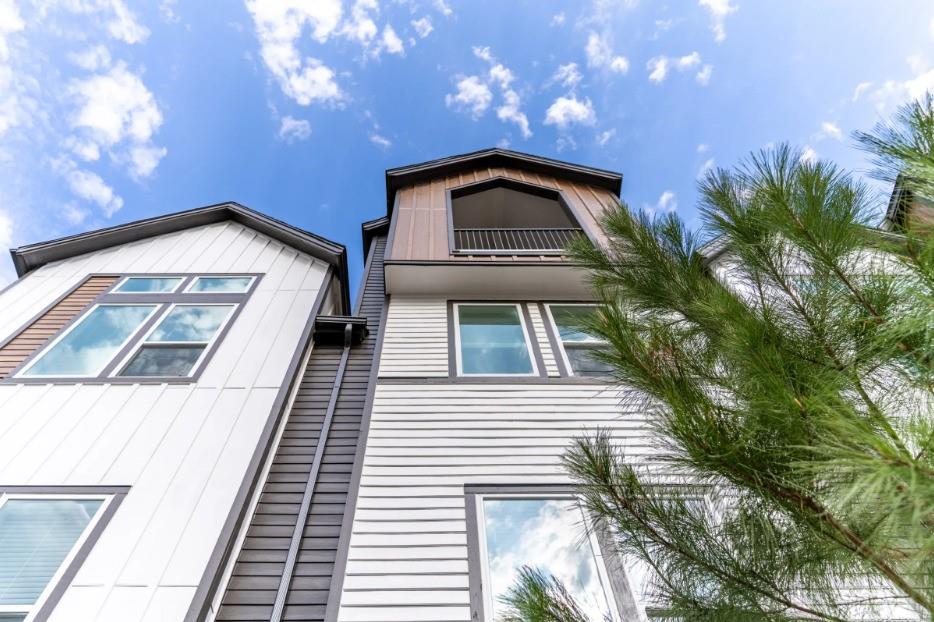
111, 111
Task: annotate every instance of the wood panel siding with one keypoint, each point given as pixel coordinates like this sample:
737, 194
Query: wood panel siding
258, 570
421, 227
183, 450
38, 332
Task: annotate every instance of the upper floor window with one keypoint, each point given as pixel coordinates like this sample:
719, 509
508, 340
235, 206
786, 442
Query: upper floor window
39, 537
145, 327
492, 340
504, 216
577, 345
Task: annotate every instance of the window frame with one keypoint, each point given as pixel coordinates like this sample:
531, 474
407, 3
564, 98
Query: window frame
610, 567
111, 497
163, 301
186, 287
525, 323
558, 342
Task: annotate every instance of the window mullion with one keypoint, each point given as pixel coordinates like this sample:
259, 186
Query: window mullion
135, 341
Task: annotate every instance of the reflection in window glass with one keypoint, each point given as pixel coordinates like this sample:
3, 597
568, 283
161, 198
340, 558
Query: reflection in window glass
579, 345
492, 340
163, 361
190, 323
544, 534
222, 284
92, 343
36, 535
144, 284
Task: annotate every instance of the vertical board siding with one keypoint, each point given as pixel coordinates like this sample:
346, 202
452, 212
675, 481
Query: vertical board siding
408, 549
251, 591
421, 230
32, 337
183, 449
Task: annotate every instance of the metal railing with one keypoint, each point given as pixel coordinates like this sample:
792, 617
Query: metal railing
517, 240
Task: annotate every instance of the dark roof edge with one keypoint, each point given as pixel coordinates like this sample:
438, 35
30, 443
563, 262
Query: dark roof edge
371, 229
32, 256
414, 173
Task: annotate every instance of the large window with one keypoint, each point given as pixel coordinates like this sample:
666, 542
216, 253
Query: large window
153, 327
578, 346
39, 537
492, 340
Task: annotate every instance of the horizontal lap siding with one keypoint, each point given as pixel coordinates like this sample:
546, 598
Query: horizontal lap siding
257, 573
182, 449
416, 342
408, 553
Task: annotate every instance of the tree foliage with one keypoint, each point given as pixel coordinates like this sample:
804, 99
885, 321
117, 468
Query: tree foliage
789, 369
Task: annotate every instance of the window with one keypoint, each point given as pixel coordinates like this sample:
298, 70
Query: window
577, 345
39, 537
492, 340
143, 284
544, 532
149, 327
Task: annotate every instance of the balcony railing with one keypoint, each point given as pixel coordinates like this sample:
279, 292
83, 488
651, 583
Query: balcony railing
501, 240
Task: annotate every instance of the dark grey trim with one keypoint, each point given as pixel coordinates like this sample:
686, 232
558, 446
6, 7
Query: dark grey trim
165, 299
493, 380
367, 264
474, 562
343, 542
443, 167
213, 572
298, 531
370, 230
499, 265
553, 341
30, 257
530, 333
519, 186
47, 308
117, 494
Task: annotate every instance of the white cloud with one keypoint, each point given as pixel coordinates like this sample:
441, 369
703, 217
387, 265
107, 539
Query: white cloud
501, 75
567, 111
121, 23
443, 8
703, 148
511, 112
380, 141
808, 156
703, 76
472, 96
705, 167
892, 93
503, 143
118, 113
291, 129
619, 64
658, 69
74, 214
279, 25
483, 53
667, 203
10, 22
830, 129
600, 54
860, 89
361, 27
391, 41
558, 19
688, 61
422, 26
91, 59
568, 75
718, 10
167, 11
89, 186
604, 137
662, 25
659, 66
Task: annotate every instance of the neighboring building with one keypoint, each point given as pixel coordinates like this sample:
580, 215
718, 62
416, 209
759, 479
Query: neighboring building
908, 212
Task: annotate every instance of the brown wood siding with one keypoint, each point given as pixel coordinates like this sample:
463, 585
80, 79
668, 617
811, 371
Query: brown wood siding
421, 229
251, 592
49, 323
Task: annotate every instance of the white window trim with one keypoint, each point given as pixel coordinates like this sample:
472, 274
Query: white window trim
33, 609
556, 330
98, 371
116, 288
525, 333
207, 344
197, 278
595, 550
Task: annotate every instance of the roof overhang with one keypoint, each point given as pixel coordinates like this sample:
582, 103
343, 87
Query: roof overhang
371, 229
408, 175
30, 257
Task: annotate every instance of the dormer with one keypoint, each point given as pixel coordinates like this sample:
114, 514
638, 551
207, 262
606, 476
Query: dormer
454, 216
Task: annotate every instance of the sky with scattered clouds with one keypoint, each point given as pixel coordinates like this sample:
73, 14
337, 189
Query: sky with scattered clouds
112, 111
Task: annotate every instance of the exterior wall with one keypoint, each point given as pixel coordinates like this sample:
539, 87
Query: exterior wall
430, 435
421, 217
183, 449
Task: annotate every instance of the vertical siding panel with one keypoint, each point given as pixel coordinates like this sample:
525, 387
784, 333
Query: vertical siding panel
20, 405
80, 602
247, 369
232, 254
203, 261
18, 435
273, 369
27, 298
245, 261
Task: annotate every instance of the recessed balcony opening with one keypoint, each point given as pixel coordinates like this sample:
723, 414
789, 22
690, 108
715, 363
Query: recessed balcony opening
505, 217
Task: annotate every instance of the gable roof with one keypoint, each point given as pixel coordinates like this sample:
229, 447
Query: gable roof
407, 175
32, 256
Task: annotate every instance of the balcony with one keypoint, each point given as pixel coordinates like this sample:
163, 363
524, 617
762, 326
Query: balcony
514, 240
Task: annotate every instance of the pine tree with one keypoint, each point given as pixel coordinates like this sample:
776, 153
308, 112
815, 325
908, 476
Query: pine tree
790, 382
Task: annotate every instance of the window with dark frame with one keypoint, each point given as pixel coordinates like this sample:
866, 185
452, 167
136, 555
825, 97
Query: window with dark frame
492, 339
145, 327
577, 345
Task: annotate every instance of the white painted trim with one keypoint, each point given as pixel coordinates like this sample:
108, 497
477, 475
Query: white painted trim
97, 372
33, 609
525, 333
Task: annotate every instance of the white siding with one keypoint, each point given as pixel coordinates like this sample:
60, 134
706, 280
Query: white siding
408, 549
416, 341
541, 335
182, 449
